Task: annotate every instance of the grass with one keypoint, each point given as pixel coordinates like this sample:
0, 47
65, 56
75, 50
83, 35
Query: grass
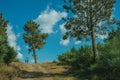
44, 71
7, 72
54, 67
58, 72
63, 78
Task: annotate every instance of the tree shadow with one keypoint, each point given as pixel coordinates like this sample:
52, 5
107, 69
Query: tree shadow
29, 74
34, 74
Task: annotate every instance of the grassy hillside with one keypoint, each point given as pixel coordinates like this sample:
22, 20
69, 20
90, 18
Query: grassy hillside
44, 71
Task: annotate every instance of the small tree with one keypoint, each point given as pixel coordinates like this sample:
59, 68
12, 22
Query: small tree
85, 17
33, 37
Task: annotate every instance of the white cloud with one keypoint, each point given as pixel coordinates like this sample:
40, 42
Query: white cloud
102, 36
62, 28
64, 42
19, 55
18, 48
11, 37
77, 42
63, 31
32, 61
12, 41
67, 41
48, 18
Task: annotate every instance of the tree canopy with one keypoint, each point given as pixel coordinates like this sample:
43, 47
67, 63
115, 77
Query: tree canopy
87, 17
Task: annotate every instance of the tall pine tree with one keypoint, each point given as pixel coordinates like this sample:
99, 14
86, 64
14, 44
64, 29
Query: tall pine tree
33, 37
85, 17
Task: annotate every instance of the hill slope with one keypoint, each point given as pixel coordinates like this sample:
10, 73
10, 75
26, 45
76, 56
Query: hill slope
44, 71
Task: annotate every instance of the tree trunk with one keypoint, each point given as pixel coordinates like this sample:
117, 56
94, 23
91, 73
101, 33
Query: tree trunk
35, 56
94, 46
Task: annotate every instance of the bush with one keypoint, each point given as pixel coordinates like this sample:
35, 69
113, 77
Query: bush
10, 56
79, 60
7, 54
67, 57
3, 53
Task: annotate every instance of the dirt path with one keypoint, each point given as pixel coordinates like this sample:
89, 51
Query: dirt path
44, 71
33, 72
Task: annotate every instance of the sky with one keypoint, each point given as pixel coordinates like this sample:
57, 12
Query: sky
47, 13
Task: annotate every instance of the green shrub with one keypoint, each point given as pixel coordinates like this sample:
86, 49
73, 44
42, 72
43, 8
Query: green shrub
79, 60
67, 57
7, 54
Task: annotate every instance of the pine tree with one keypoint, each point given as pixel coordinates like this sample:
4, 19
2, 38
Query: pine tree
7, 53
3, 38
85, 17
33, 37
3, 29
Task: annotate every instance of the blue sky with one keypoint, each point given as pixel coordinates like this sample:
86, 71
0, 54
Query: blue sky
48, 14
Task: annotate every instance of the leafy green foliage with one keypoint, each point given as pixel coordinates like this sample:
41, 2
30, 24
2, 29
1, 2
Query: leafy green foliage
33, 37
79, 60
67, 58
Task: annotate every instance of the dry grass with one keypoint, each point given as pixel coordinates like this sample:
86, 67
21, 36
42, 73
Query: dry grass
44, 71
7, 72
57, 72
54, 67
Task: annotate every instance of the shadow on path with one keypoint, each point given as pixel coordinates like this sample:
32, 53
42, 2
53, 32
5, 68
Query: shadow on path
33, 74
